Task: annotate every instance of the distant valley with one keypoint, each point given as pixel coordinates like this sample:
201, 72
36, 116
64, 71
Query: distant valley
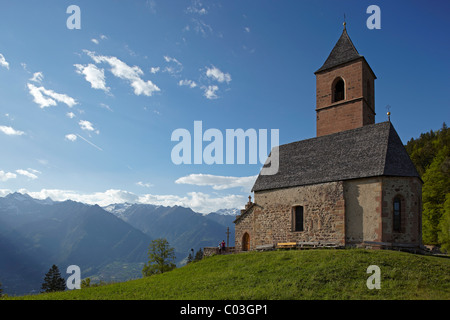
108, 244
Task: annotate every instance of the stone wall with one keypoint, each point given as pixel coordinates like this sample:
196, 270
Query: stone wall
363, 210
270, 219
354, 212
410, 192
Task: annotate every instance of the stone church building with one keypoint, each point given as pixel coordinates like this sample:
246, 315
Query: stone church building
352, 185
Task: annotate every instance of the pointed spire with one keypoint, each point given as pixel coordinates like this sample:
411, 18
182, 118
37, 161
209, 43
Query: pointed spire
344, 51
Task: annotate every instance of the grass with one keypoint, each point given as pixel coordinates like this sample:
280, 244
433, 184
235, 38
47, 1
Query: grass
285, 275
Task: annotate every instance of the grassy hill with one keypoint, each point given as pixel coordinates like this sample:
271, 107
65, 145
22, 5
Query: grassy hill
311, 274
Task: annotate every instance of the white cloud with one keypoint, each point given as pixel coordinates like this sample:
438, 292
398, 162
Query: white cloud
189, 83
86, 125
219, 182
34, 171
71, 115
93, 75
3, 62
247, 29
200, 27
46, 98
101, 198
197, 201
197, 8
4, 176
123, 71
11, 131
105, 106
4, 192
95, 41
71, 137
37, 77
175, 65
154, 70
210, 92
218, 75
27, 174
144, 184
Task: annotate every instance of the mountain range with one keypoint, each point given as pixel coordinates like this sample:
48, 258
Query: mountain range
108, 244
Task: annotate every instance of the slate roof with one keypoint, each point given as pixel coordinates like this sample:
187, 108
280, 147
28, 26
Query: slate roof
369, 151
344, 51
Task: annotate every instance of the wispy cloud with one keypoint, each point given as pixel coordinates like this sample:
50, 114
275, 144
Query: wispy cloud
4, 176
71, 115
11, 131
37, 77
3, 62
188, 83
71, 137
93, 75
210, 92
123, 71
197, 201
215, 74
46, 98
27, 173
154, 70
218, 182
144, 184
87, 126
174, 66
197, 7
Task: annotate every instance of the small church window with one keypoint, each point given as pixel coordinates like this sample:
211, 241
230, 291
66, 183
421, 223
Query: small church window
397, 214
298, 218
339, 90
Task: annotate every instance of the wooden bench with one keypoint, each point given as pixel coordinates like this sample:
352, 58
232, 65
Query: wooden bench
288, 245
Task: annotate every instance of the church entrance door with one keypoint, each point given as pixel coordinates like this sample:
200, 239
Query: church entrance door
246, 242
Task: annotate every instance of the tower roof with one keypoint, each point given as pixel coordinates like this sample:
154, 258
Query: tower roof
344, 51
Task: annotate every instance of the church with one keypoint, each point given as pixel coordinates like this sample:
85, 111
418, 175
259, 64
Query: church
353, 185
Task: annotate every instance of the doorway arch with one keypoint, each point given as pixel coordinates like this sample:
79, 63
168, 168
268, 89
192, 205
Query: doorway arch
246, 242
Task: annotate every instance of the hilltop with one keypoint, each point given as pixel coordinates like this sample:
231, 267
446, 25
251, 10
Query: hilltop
323, 274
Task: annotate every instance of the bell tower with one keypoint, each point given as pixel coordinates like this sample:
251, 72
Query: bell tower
345, 90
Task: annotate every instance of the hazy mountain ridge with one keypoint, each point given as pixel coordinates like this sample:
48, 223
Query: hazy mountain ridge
105, 242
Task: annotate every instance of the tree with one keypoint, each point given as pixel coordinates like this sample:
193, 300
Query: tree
431, 156
199, 255
161, 258
53, 281
444, 234
435, 189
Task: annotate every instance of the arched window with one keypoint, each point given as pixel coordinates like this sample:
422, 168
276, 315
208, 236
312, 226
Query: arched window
297, 215
339, 90
397, 214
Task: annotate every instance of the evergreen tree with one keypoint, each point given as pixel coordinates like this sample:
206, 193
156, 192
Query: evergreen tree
199, 255
53, 281
431, 156
161, 258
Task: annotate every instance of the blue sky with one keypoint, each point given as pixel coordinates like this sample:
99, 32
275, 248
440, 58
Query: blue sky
88, 114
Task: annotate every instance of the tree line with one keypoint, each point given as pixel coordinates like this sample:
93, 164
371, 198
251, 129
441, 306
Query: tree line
430, 154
